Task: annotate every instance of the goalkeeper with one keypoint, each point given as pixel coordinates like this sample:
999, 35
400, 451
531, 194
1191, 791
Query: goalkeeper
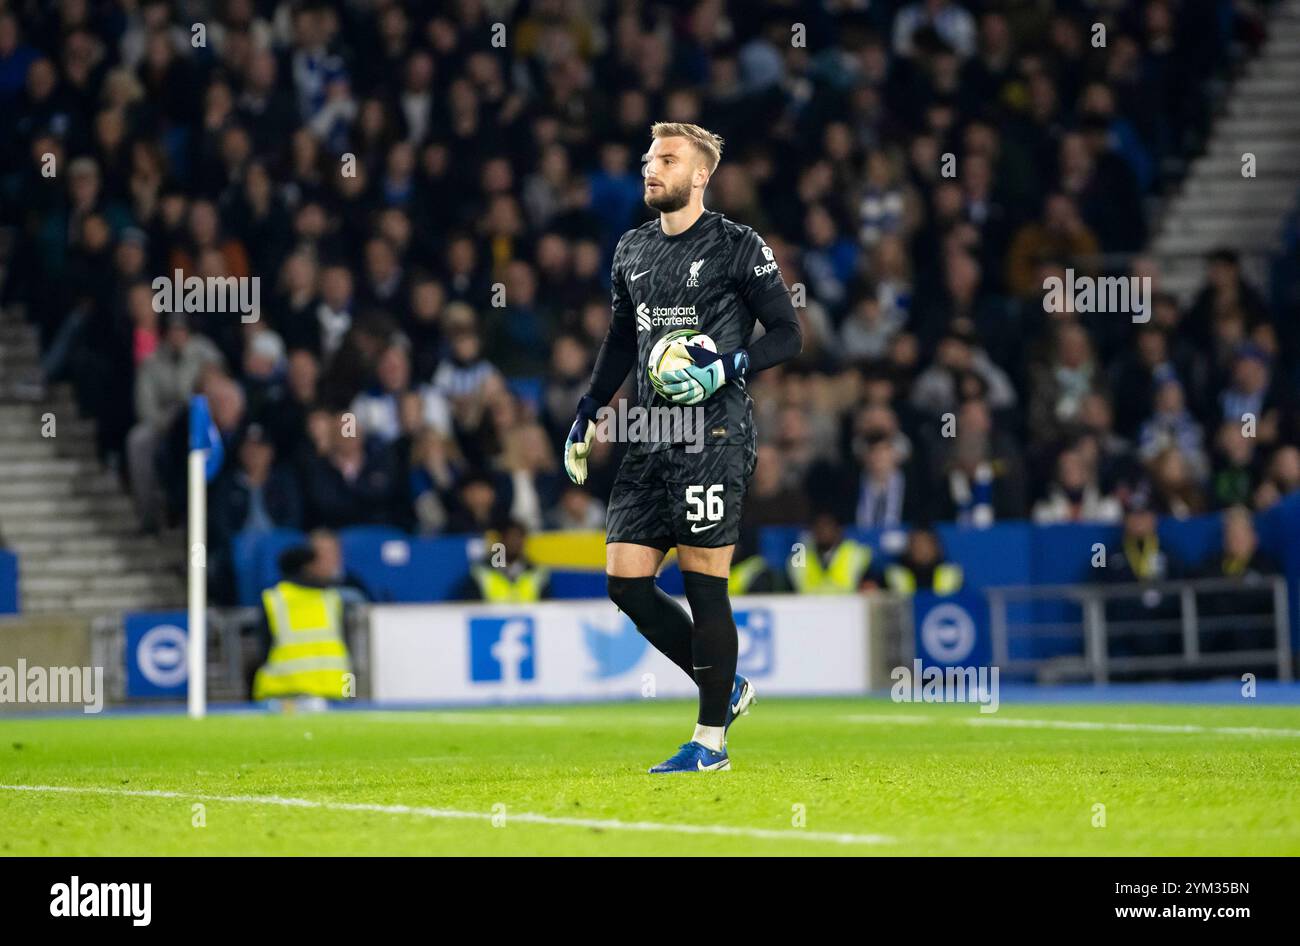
687, 269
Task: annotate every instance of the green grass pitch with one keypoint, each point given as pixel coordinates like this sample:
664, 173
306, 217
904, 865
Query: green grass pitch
809, 777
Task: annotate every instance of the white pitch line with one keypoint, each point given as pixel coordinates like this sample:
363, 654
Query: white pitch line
465, 719
911, 719
611, 824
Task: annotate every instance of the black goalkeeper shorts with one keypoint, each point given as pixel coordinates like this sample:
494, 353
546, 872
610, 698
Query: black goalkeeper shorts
672, 497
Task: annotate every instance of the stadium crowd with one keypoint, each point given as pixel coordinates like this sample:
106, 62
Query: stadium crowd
431, 193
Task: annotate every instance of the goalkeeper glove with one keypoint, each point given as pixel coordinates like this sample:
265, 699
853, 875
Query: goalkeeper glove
578, 447
701, 380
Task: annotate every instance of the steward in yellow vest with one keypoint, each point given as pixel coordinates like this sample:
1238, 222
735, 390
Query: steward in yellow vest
921, 567
833, 565
506, 576
308, 655
750, 573
943, 579
517, 584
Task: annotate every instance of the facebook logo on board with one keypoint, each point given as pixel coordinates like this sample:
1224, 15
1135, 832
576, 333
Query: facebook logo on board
501, 650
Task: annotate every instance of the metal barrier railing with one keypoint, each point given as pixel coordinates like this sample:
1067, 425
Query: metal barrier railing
226, 659
1099, 631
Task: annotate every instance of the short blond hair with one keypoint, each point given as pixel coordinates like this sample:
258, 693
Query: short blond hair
709, 144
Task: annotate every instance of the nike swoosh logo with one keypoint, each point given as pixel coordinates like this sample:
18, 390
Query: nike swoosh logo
706, 528
735, 707
639, 275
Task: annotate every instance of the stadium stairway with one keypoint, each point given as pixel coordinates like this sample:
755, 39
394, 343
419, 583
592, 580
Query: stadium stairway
1217, 206
66, 516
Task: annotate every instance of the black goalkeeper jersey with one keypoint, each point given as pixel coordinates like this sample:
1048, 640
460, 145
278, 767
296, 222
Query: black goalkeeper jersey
717, 277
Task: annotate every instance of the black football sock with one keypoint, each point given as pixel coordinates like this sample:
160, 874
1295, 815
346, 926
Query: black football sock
713, 646
660, 619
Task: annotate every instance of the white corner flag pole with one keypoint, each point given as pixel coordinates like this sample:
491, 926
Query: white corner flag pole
198, 585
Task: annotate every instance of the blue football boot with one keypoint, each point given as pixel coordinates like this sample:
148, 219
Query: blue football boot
743, 695
693, 757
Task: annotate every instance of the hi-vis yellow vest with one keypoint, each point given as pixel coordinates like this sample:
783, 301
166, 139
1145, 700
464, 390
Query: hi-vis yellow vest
744, 573
948, 579
498, 588
842, 575
308, 654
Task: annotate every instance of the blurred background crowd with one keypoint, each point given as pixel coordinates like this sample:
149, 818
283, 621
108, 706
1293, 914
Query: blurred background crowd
431, 193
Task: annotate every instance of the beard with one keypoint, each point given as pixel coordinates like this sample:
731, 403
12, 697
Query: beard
670, 200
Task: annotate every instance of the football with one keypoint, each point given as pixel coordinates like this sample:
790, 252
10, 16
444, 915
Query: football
669, 353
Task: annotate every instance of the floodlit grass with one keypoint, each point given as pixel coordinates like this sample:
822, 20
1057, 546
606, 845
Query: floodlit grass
808, 777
